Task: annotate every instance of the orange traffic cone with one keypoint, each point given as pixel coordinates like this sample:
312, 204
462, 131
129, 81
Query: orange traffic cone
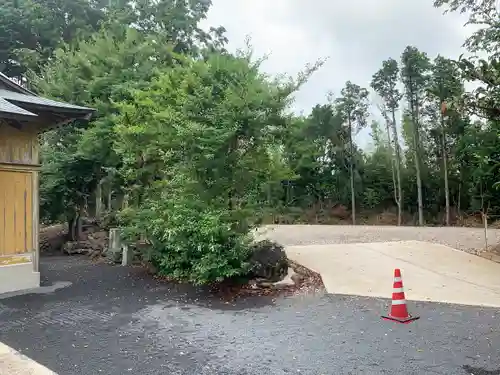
399, 312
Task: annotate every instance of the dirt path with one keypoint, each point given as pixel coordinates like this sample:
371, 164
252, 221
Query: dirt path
467, 239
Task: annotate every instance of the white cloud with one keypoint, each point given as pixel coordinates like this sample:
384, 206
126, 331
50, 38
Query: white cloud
356, 35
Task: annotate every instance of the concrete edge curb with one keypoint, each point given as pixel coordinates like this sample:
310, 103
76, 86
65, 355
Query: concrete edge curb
14, 363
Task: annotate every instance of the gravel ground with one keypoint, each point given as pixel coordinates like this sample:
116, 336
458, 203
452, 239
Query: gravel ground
117, 320
466, 239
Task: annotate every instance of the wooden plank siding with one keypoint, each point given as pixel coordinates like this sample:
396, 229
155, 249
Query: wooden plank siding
18, 189
16, 212
18, 146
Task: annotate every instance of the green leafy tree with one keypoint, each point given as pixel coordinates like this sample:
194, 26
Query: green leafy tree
49, 24
484, 17
353, 107
385, 82
315, 149
195, 147
177, 23
414, 75
378, 172
68, 179
45, 26
484, 100
101, 71
479, 151
445, 88
97, 73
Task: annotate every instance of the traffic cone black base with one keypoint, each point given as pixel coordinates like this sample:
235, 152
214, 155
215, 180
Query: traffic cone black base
404, 321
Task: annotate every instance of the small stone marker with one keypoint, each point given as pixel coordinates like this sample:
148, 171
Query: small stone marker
126, 255
115, 246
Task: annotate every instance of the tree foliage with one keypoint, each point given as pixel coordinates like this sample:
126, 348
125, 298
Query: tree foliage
202, 134
385, 83
483, 15
352, 106
100, 72
45, 25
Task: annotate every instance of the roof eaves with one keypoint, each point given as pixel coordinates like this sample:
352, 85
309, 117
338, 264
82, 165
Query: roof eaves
7, 107
21, 95
14, 86
40, 102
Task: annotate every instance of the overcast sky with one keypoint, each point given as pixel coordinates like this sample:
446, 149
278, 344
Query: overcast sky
355, 35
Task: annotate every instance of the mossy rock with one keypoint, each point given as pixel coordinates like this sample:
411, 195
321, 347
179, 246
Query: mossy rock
269, 261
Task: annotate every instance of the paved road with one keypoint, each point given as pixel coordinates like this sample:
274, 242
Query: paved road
115, 321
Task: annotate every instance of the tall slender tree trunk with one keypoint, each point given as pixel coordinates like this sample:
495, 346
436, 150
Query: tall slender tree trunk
351, 170
445, 171
393, 164
398, 167
419, 187
98, 200
110, 199
416, 145
75, 225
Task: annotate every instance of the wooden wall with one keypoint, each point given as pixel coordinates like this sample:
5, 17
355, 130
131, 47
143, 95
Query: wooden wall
16, 212
18, 190
18, 146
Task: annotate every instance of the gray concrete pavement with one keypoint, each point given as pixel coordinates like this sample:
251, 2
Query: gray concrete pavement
14, 363
115, 321
431, 272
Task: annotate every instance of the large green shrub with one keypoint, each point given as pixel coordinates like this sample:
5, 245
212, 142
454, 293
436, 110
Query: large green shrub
197, 160
190, 239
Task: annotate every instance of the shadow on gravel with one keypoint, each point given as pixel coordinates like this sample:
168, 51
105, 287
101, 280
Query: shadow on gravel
480, 371
105, 283
117, 320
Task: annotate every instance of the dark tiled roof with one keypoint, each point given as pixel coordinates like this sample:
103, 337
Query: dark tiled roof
15, 96
6, 107
37, 100
13, 85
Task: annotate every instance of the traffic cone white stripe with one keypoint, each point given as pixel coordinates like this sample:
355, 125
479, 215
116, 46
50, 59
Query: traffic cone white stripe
398, 290
396, 279
399, 302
